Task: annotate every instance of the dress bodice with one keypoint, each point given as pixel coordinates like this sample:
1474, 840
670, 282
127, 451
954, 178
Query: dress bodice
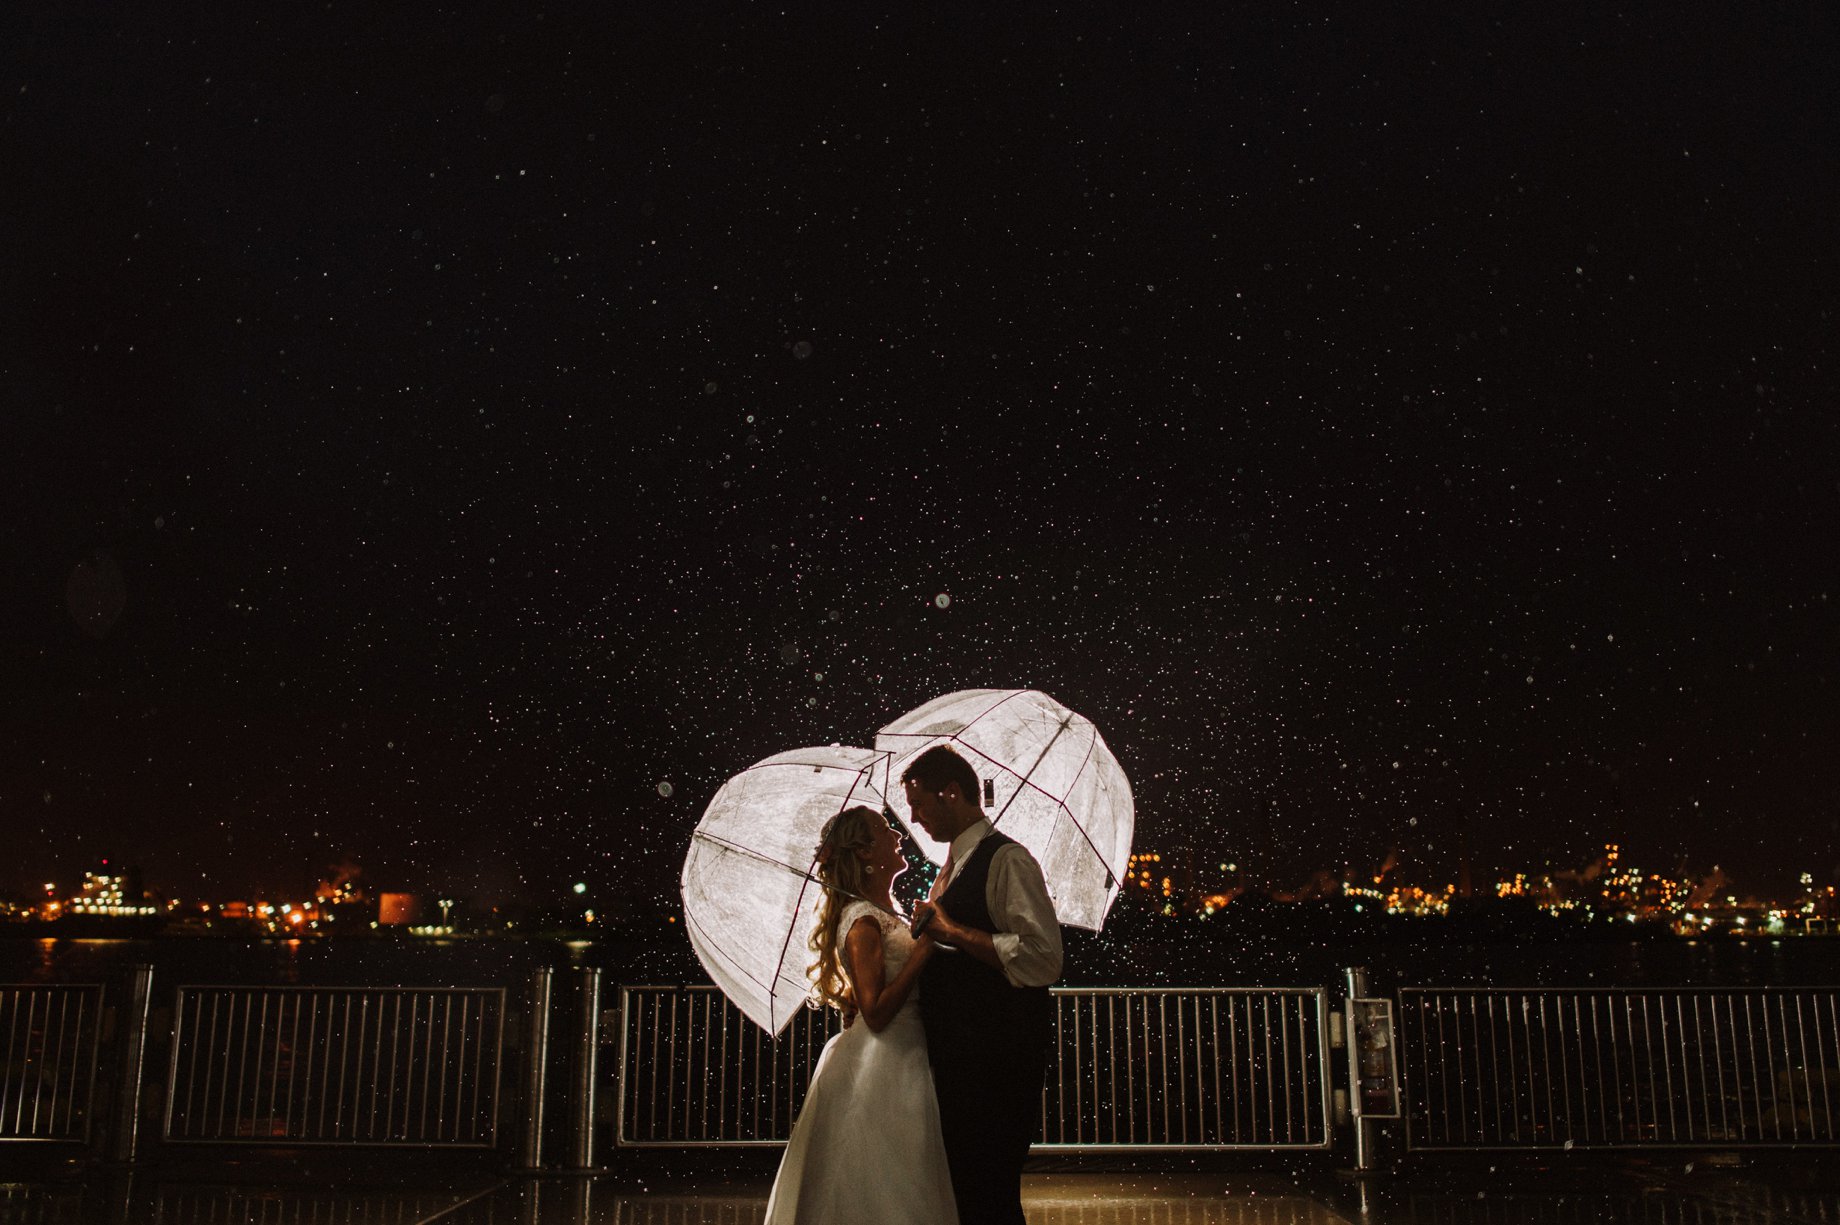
896, 943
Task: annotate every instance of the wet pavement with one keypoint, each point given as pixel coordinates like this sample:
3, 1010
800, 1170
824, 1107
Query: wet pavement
1786, 1188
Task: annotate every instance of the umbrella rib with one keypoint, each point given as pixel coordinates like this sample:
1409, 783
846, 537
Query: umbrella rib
1071, 820
805, 875
779, 967
732, 960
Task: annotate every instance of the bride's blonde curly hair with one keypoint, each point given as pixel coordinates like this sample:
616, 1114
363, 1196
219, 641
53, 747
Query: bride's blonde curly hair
840, 870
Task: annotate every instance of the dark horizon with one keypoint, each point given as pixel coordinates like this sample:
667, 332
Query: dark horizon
434, 435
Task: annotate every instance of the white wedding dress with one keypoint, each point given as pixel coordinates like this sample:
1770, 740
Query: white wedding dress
866, 1149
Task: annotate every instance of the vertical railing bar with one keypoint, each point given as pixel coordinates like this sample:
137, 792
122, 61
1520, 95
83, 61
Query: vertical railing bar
1650, 1075
1566, 1050
1443, 1082
87, 1037
1220, 1132
1769, 1057
325, 1035
1699, 1061
1757, 1081
1737, 1074
1546, 1072
1162, 1051
1181, 1074
1130, 1074
1451, 1073
207, 1051
264, 1121
43, 1065
1667, 1069
440, 1107
466, 1117
461, 1124
657, 1054
1801, 1038
16, 1001
1597, 1068
670, 1106
223, 1006
245, 1029
723, 1086
1061, 1061
1827, 1110
422, 1019
1284, 1056
265, 1116
1271, 1105
1505, 1060
294, 1065
338, 1110
1490, 1127
51, 1071
182, 1031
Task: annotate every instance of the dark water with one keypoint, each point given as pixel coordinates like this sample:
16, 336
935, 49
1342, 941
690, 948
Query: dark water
1103, 960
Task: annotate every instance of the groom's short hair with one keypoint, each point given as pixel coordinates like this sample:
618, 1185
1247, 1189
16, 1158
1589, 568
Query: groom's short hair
938, 766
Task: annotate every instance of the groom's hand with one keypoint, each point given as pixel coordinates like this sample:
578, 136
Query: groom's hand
931, 918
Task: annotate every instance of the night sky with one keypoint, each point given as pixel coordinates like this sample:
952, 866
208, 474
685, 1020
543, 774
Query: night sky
426, 435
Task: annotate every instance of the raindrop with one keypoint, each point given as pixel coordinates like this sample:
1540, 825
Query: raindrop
665, 789
789, 652
942, 600
802, 350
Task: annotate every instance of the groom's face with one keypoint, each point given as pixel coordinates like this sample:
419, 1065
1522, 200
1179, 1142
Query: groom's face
928, 809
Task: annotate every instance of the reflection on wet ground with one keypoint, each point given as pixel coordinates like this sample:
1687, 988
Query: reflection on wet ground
1792, 1190
1062, 1199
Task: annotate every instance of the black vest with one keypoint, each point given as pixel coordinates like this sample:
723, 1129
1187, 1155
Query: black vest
962, 1000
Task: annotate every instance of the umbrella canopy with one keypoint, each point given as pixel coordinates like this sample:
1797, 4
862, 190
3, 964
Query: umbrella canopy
750, 884
1051, 784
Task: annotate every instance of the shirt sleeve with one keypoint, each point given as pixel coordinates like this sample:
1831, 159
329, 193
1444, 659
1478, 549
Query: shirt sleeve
1028, 937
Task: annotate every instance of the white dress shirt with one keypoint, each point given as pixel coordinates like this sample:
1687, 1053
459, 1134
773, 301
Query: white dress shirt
1028, 937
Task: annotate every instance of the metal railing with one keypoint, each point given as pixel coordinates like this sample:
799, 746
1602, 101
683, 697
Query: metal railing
49, 1037
1196, 1067
1131, 1069
336, 1065
693, 1071
1620, 1068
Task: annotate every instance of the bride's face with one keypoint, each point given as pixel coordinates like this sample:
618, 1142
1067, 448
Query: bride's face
884, 860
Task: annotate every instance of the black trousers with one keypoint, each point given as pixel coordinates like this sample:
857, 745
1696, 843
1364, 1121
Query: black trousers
989, 1113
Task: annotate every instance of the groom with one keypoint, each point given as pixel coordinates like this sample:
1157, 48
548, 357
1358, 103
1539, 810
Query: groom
984, 996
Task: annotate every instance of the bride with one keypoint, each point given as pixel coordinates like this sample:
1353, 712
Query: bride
866, 1144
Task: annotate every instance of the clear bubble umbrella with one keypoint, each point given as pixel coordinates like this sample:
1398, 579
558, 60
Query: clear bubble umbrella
1050, 783
750, 884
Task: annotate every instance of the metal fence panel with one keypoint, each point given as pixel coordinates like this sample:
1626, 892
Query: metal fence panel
415, 1066
1139, 1069
49, 1037
1495, 1068
1188, 1068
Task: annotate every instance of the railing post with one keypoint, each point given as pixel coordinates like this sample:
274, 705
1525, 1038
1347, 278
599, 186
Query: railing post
125, 1136
1373, 1066
583, 1084
1363, 1136
536, 1067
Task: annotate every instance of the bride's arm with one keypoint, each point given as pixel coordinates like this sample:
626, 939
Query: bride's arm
877, 1001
